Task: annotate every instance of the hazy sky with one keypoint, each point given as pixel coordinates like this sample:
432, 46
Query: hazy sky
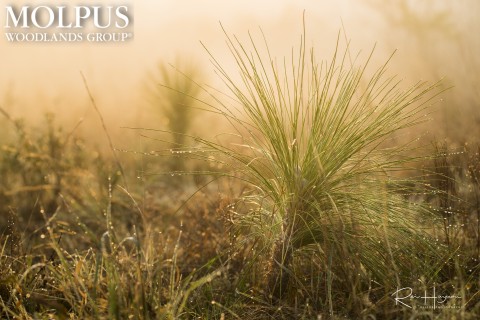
163, 30
48, 75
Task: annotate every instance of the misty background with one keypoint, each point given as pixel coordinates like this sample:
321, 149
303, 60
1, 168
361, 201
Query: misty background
434, 39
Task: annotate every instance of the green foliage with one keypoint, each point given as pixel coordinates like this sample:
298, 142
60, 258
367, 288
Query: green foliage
173, 94
314, 146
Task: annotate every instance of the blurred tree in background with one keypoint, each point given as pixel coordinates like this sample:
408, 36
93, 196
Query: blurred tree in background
173, 92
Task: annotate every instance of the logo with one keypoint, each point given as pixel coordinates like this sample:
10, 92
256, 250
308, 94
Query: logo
68, 23
428, 300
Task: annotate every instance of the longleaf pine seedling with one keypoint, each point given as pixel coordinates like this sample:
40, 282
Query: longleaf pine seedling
314, 142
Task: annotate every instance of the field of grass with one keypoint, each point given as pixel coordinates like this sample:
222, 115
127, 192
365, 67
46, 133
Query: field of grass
313, 205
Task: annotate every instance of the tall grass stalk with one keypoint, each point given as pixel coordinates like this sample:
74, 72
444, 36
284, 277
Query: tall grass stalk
314, 142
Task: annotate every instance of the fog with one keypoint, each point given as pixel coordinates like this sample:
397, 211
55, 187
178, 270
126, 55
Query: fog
434, 39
